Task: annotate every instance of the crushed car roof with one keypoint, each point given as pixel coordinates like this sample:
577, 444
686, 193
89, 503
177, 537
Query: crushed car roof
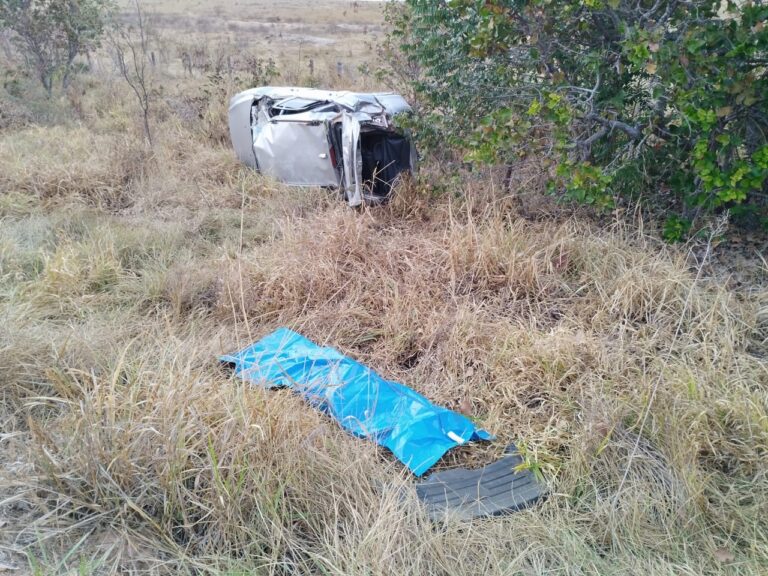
353, 101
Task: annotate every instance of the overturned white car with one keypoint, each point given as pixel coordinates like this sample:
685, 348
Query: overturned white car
308, 137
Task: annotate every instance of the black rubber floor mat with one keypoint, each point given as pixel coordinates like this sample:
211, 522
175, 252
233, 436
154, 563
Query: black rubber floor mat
489, 491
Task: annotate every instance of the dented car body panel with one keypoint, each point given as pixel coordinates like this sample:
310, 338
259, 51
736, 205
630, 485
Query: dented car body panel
310, 137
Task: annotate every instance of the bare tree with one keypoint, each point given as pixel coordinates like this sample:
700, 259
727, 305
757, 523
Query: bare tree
131, 48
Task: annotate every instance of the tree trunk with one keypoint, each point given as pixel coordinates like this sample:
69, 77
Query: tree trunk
65, 78
147, 131
47, 80
507, 182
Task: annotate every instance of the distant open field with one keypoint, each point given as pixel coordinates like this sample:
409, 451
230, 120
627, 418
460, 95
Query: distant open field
292, 33
633, 373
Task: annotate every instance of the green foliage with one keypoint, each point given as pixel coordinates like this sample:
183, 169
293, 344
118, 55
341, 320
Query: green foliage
51, 34
676, 228
664, 99
584, 183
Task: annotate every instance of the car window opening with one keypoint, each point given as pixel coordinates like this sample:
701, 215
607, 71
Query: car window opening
385, 155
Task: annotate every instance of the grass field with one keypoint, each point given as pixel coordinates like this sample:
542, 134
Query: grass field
634, 374
291, 32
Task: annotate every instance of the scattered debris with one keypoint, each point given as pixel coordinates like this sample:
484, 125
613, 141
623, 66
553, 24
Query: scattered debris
394, 416
494, 489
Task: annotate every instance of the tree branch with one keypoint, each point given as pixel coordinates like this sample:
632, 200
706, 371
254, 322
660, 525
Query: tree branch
633, 132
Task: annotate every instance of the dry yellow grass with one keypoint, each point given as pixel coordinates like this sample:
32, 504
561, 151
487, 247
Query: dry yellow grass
290, 32
636, 382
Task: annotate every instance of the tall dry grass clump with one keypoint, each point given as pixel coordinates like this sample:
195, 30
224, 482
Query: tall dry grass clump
51, 162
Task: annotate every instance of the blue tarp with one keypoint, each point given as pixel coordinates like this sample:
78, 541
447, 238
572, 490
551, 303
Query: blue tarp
391, 414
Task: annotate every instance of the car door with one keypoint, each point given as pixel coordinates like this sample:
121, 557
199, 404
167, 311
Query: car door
296, 150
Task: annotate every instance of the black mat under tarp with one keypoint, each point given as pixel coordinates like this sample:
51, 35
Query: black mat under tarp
495, 489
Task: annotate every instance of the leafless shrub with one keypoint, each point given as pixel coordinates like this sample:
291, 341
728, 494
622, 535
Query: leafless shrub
132, 56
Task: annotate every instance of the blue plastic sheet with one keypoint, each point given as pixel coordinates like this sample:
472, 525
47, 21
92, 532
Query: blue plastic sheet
394, 416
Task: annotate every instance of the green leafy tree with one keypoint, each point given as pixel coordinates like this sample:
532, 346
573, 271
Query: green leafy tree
621, 97
51, 34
